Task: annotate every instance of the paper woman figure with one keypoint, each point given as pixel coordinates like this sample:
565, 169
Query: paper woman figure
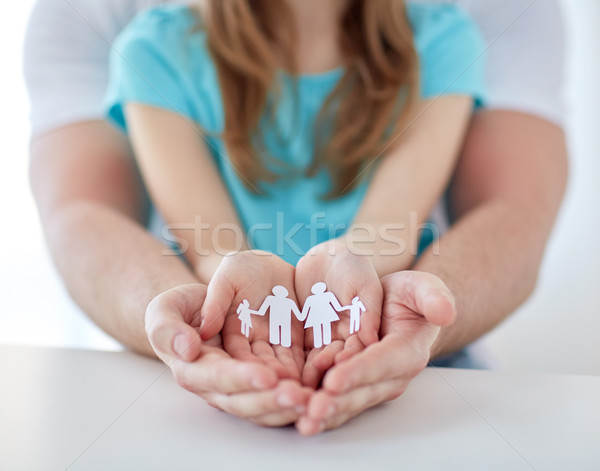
280, 316
356, 308
320, 311
244, 312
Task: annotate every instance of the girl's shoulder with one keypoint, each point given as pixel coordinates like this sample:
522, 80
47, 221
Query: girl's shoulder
170, 29
451, 50
161, 59
163, 20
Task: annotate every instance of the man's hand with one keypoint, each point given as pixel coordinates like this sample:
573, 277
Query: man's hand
416, 305
346, 275
251, 390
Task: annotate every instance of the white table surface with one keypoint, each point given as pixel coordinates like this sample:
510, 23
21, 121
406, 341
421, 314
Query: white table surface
84, 410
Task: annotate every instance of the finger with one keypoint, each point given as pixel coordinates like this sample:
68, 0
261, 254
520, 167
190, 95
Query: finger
288, 397
363, 281
371, 294
167, 322
326, 411
276, 419
320, 361
391, 358
219, 298
423, 293
286, 359
240, 348
217, 373
352, 346
327, 408
265, 352
307, 426
311, 375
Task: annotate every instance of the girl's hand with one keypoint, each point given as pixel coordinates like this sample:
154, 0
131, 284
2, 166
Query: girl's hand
252, 275
416, 305
250, 390
346, 275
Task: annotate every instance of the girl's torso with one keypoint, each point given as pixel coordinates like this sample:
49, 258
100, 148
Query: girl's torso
289, 216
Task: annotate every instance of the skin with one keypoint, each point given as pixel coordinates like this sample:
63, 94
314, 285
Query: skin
89, 195
488, 265
237, 275
86, 208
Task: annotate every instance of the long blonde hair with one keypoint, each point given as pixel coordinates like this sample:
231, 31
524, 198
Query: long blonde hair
250, 40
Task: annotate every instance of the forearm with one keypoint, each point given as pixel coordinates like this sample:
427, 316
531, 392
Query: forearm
505, 196
489, 259
112, 267
174, 161
408, 182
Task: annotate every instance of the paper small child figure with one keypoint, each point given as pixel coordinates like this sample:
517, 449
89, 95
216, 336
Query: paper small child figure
356, 308
320, 311
280, 316
244, 312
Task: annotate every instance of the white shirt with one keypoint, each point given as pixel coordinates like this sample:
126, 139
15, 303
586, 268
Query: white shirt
68, 43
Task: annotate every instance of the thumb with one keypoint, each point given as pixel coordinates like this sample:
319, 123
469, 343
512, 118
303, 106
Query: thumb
219, 297
167, 323
423, 293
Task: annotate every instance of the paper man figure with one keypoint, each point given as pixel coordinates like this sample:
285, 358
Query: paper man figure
244, 312
356, 308
280, 316
320, 311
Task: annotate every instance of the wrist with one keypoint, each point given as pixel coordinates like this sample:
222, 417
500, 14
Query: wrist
387, 257
205, 266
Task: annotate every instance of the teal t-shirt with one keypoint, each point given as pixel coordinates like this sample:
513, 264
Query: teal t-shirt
162, 60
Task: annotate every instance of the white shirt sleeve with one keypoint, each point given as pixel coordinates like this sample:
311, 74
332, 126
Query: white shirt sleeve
67, 45
525, 55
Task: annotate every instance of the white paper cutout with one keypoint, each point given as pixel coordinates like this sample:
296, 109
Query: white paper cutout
244, 312
356, 308
319, 310
280, 316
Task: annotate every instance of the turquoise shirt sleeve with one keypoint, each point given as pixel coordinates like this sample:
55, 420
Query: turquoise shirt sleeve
451, 51
144, 67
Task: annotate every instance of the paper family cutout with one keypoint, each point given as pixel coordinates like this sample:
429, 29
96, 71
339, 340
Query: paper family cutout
319, 311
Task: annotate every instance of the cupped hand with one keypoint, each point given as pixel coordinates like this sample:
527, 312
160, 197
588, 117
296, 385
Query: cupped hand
251, 276
416, 305
346, 275
248, 389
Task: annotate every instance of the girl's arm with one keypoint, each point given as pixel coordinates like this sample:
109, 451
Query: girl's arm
409, 180
185, 185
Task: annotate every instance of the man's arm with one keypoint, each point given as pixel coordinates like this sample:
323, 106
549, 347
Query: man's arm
505, 196
91, 203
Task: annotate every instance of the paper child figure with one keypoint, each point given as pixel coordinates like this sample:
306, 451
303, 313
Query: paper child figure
244, 312
320, 311
356, 308
280, 316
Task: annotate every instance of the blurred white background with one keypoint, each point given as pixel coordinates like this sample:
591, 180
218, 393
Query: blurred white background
557, 330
